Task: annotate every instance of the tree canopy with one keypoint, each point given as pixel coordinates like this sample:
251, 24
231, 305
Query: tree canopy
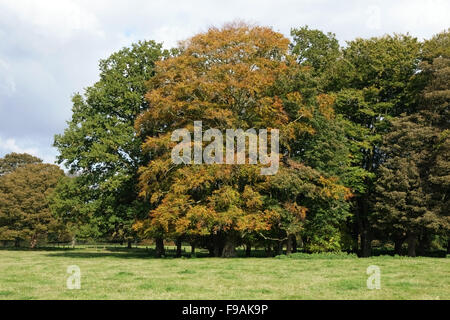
13, 161
24, 209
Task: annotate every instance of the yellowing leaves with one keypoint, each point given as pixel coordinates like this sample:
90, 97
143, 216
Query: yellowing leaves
326, 103
298, 211
331, 189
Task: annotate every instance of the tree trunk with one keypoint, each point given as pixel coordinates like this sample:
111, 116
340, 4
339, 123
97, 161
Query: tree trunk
424, 244
192, 249
248, 250
362, 212
217, 249
129, 243
74, 241
294, 244
366, 244
355, 237
33, 242
398, 243
229, 250
279, 248
17, 243
178, 243
211, 246
160, 251
269, 250
289, 245
411, 245
448, 247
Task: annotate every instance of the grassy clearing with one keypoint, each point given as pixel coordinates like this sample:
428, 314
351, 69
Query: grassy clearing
132, 274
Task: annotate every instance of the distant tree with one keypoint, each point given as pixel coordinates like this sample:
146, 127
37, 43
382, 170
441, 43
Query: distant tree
315, 48
437, 47
100, 144
12, 161
24, 209
71, 203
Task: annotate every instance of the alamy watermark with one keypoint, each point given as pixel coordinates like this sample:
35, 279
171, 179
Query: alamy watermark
235, 147
374, 279
373, 19
74, 280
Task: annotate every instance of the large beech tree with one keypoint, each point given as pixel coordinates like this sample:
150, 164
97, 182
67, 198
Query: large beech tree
234, 77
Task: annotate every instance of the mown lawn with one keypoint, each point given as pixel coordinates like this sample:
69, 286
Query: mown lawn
132, 274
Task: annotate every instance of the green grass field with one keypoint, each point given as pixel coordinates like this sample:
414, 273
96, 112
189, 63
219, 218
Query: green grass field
132, 274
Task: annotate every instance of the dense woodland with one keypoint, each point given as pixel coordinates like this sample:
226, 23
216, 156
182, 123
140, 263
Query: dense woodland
364, 148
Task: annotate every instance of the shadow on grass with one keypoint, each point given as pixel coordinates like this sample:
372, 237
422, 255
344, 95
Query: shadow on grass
149, 253
122, 253
36, 249
106, 253
142, 253
136, 253
376, 252
89, 252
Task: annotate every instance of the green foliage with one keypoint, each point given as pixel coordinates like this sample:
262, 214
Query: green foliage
403, 200
437, 46
70, 202
373, 86
315, 48
413, 184
13, 161
24, 209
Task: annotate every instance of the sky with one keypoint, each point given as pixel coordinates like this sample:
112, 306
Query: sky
49, 49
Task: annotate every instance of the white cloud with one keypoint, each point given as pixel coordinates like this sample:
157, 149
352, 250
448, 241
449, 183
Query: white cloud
59, 18
10, 145
416, 16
